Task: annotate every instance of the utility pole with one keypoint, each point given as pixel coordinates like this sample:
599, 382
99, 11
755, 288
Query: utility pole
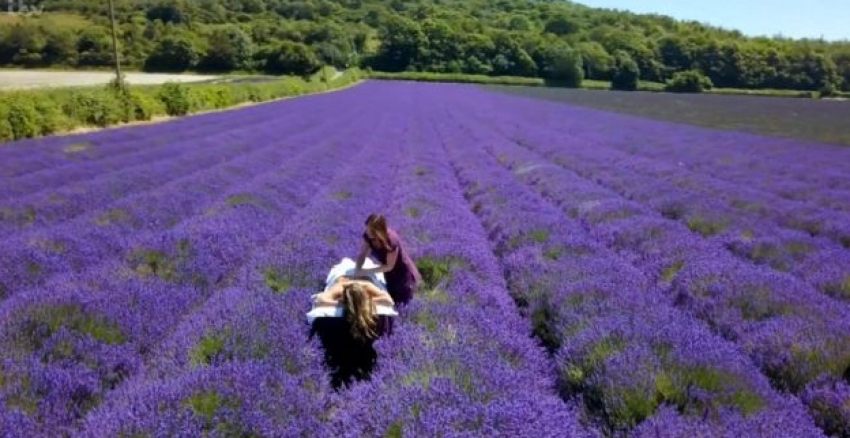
120, 82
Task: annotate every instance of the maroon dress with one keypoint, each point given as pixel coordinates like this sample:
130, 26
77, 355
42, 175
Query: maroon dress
404, 277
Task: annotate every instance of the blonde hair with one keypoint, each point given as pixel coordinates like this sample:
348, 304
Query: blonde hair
360, 312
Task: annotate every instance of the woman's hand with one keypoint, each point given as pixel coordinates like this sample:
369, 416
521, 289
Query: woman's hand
359, 273
325, 299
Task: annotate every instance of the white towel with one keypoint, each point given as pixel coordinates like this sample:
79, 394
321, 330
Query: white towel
346, 268
339, 311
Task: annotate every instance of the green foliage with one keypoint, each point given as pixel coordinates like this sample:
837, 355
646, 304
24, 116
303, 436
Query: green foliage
176, 99
625, 73
290, 58
230, 48
691, 81
23, 117
597, 62
477, 37
563, 66
94, 48
459, 78
140, 106
562, 25
168, 12
95, 107
402, 45
436, 272
40, 323
209, 349
172, 54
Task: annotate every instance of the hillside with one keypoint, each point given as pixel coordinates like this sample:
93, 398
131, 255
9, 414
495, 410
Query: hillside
551, 39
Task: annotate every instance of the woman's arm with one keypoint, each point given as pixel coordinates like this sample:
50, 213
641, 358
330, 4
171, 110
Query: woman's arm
329, 297
361, 258
392, 257
379, 296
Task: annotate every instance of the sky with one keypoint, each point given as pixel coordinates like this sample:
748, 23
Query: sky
829, 19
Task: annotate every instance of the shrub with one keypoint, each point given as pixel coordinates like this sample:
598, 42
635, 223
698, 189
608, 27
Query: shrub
6, 133
563, 66
176, 98
25, 114
625, 73
690, 81
22, 116
51, 119
142, 106
291, 58
828, 90
94, 107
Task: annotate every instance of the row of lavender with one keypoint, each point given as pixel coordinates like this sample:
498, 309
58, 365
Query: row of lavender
799, 338
792, 169
639, 365
434, 376
96, 350
70, 342
241, 363
125, 227
754, 225
29, 156
79, 166
70, 188
460, 363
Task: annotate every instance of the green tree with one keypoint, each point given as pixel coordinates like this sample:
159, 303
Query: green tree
596, 60
169, 11
94, 48
563, 66
503, 37
841, 59
172, 54
402, 45
291, 58
23, 45
510, 58
59, 48
330, 54
230, 48
690, 81
441, 46
562, 25
519, 23
625, 73
721, 62
677, 53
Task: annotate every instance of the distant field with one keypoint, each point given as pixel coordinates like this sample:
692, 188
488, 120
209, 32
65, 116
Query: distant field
23, 79
807, 119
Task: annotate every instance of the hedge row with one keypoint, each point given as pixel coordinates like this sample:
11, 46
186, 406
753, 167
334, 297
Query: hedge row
457, 78
35, 113
680, 85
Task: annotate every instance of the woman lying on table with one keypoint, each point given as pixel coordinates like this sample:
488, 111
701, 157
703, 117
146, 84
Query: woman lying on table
359, 297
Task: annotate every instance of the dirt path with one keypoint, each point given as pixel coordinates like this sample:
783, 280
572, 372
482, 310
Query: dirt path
23, 79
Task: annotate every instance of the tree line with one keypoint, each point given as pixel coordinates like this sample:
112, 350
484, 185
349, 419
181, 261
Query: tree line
556, 40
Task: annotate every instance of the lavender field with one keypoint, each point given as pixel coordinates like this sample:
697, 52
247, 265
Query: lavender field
588, 274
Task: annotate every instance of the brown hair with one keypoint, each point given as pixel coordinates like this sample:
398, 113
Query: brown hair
377, 224
360, 312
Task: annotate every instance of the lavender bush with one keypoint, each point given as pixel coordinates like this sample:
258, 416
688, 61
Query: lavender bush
585, 274
619, 346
